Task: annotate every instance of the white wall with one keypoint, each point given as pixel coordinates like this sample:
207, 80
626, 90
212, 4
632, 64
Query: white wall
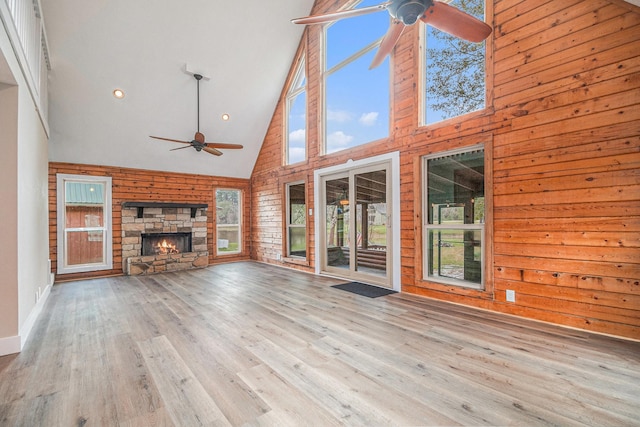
33, 212
23, 205
9, 214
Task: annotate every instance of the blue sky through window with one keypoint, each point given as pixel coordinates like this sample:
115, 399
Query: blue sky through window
297, 118
357, 99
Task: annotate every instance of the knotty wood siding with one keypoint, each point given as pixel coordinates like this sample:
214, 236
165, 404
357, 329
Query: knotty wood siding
562, 137
129, 185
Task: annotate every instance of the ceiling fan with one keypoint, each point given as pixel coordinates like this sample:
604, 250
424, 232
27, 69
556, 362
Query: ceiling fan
438, 14
198, 141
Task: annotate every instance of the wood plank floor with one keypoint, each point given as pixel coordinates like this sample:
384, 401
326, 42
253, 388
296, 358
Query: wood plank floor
248, 344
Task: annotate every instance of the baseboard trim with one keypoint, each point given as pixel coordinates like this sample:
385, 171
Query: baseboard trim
25, 331
10, 345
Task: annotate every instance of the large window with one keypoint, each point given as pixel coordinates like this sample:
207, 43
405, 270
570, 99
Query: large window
228, 221
454, 71
296, 221
356, 98
296, 118
454, 214
84, 223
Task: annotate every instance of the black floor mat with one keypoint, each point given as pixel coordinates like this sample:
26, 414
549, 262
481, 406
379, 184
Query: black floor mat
364, 289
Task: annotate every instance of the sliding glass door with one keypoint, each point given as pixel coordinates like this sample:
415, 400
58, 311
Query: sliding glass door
356, 232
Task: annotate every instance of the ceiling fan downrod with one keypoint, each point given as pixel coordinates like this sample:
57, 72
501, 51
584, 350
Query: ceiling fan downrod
198, 77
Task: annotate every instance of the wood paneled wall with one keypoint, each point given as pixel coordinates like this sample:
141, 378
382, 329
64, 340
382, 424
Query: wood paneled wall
130, 185
562, 135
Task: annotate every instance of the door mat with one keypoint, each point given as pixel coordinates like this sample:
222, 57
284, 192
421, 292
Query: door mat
364, 289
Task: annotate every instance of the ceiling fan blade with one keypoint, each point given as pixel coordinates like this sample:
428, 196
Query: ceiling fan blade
334, 16
168, 139
224, 145
199, 137
388, 42
180, 148
453, 21
212, 151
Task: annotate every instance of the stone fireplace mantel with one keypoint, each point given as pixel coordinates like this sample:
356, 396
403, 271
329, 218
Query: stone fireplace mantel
141, 205
140, 218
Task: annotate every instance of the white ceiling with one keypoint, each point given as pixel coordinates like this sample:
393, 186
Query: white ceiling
142, 46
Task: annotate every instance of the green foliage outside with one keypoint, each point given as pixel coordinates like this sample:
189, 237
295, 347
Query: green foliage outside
455, 70
232, 247
228, 206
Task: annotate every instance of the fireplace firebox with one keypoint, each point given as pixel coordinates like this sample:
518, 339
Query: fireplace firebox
165, 243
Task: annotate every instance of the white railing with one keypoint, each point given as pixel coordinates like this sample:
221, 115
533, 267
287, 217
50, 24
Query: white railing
30, 43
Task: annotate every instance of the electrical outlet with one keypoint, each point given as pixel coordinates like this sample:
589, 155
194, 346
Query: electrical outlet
511, 295
279, 257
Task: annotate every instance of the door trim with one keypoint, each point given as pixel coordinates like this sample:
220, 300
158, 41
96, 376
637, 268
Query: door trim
393, 160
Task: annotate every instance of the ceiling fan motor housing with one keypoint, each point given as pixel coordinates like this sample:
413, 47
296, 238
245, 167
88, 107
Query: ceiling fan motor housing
409, 11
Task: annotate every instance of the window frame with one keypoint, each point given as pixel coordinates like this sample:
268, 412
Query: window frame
240, 223
288, 224
106, 228
426, 227
295, 90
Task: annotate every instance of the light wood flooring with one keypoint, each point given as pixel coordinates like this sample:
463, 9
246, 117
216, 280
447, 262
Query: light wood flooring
248, 344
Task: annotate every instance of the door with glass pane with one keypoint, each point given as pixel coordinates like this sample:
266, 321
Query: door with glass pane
356, 225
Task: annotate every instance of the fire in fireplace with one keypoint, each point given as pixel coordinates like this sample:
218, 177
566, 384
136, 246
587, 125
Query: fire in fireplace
165, 243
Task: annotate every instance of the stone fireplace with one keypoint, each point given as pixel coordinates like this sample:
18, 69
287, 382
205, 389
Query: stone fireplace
159, 237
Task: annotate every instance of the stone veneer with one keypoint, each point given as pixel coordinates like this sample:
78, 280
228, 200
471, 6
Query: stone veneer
163, 220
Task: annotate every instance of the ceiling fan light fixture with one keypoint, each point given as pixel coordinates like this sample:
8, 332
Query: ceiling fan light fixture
118, 93
409, 11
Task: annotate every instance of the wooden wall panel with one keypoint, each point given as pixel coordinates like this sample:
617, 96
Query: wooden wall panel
562, 130
143, 185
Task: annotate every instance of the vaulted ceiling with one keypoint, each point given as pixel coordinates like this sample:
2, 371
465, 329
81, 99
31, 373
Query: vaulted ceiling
145, 48
142, 47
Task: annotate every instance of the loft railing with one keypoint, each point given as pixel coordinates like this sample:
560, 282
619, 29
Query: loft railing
25, 26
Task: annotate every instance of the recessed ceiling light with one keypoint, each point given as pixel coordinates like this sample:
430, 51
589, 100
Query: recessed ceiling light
118, 93
225, 117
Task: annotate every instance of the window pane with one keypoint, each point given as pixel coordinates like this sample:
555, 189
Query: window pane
455, 254
357, 102
298, 241
84, 247
228, 238
84, 204
297, 205
297, 129
455, 182
356, 98
337, 218
348, 36
84, 216
227, 206
296, 221
228, 221
455, 71
455, 217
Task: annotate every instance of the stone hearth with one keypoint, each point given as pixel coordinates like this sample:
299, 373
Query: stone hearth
147, 217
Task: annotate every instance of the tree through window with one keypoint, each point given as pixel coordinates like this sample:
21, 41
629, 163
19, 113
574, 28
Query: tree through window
454, 71
228, 220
